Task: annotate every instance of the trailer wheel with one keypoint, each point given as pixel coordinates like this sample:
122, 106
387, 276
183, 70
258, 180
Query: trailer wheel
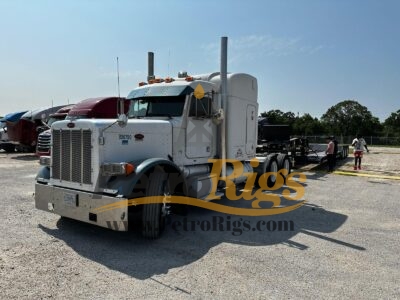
154, 214
284, 163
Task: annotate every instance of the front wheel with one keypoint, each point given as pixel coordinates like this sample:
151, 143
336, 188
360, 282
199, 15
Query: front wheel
154, 214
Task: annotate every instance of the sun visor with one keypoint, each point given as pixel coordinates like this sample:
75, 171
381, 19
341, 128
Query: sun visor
151, 91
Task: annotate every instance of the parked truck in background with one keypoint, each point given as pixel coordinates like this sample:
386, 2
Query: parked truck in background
43, 140
98, 108
278, 139
174, 127
24, 132
5, 142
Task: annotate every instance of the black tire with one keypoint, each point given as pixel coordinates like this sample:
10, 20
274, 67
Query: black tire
31, 149
269, 165
9, 148
272, 167
284, 163
154, 215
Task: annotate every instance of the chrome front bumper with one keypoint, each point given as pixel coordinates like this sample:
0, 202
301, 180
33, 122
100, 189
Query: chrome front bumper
82, 206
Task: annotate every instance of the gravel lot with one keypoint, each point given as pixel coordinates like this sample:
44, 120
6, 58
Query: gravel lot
345, 244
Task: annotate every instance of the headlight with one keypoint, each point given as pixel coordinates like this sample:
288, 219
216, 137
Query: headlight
45, 161
113, 169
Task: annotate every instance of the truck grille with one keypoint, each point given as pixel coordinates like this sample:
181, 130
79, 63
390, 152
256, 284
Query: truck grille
72, 155
43, 143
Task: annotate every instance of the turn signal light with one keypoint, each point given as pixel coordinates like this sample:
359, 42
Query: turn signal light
129, 169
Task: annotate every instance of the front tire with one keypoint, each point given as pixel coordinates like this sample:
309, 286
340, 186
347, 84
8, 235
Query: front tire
154, 214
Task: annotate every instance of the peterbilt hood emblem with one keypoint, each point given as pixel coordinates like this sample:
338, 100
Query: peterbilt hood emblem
139, 136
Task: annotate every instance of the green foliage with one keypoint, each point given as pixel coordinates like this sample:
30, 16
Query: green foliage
392, 125
278, 117
307, 125
346, 118
304, 125
350, 118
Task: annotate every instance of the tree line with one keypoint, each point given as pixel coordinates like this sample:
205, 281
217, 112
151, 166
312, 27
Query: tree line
347, 118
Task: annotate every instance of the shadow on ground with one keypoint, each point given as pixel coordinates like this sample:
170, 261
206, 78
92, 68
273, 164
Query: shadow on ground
189, 238
25, 157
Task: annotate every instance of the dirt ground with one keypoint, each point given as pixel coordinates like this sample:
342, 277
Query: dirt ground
379, 160
344, 245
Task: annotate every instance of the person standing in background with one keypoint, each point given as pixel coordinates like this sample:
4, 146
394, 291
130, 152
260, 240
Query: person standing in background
363, 143
358, 144
335, 150
330, 152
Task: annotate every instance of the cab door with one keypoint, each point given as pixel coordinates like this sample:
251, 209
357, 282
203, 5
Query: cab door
200, 130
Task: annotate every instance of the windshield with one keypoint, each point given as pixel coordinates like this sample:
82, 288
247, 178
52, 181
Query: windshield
75, 117
54, 119
169, 106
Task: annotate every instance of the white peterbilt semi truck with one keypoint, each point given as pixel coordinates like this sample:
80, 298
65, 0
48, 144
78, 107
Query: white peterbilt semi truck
173, 128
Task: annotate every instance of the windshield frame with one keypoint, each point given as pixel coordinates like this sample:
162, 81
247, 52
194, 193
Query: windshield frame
157, 106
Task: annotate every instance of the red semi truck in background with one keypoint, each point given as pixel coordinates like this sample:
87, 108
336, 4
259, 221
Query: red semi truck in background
12, 118
92, 108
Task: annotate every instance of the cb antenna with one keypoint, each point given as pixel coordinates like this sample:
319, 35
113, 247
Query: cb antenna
122, 117
119, 94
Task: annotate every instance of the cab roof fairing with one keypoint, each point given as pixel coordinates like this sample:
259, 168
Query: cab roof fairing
92, 102
36, 114
13, 117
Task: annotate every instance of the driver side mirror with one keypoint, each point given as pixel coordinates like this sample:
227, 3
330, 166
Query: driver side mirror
122, 116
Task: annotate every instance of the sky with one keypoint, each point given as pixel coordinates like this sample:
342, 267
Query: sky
307, 55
